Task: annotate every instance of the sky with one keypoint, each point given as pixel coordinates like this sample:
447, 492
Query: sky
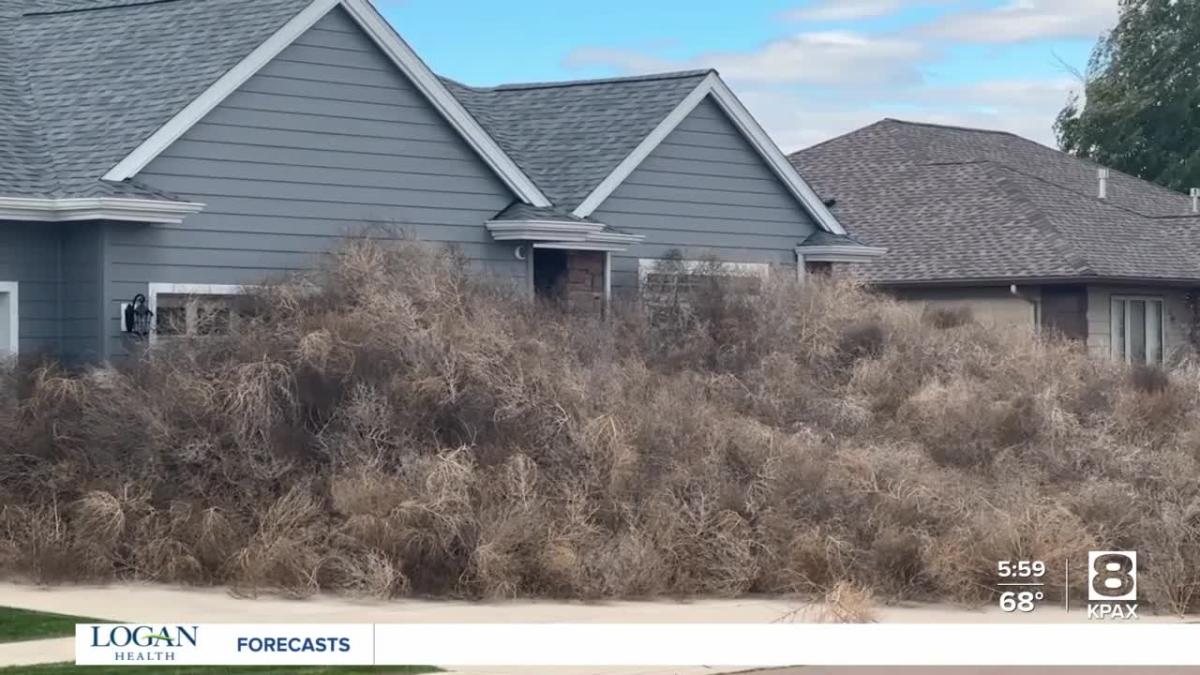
808, 69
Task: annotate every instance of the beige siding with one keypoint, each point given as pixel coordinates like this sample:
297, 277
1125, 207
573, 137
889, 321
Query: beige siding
1178, 317
994, 306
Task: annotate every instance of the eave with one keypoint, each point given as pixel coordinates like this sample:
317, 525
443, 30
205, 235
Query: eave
840, 253
96, 208
562, 234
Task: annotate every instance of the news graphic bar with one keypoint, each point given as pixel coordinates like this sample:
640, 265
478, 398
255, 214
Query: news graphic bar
531, 645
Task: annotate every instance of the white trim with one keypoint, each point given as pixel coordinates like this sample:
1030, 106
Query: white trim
607, 283
1127, 357
535, 230
96, 208
403, 56
580, 246
12, 290
838, 253
154, 289
202, 105
734, 269
566, 234
750, 129
386, 38
635, 158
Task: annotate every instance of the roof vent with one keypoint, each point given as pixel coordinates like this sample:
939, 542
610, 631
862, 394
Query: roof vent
1102, 174
1195, 200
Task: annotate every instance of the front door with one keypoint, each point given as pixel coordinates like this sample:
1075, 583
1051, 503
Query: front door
572, 279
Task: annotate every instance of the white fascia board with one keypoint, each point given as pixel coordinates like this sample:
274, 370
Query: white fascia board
185, 119
539, 230
582, 246
403, 56
774, 157
750, 130
396, 49
840, 253
98, 208
643, 149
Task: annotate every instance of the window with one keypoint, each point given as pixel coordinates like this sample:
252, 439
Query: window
1137, 329
194, 310
672, 277
9, 332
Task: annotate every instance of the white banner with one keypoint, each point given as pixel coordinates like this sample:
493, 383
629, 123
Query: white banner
638, 644
216, 644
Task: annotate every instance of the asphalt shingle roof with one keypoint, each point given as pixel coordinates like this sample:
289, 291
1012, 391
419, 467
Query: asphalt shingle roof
568, 136
955, 204
83, 82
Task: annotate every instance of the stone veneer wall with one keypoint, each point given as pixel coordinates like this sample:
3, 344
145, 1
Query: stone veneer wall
585, 282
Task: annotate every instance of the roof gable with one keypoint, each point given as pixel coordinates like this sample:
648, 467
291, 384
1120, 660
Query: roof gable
103, 75
714, 89
114, 82
543, 126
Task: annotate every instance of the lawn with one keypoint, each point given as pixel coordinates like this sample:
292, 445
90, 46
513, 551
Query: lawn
19, 625
71, 669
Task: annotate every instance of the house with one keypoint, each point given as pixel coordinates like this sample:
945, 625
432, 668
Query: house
180, 150
1020, 233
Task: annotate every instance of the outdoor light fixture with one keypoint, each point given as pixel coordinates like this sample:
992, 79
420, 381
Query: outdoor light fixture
138, 317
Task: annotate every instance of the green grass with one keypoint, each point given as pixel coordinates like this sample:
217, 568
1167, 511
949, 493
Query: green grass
19, 625
70, 668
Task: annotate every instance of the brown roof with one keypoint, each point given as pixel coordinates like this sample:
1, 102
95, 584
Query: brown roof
955, 204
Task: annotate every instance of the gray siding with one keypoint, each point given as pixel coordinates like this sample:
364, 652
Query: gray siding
706, 192
29, 255
56, 268
327, 140
82, 295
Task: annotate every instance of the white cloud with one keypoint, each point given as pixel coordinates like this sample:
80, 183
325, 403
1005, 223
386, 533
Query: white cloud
843, 10
849, 10
1020, 20
824, 57
796, 119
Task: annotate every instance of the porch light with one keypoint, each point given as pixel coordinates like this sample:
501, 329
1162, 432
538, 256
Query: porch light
138, 318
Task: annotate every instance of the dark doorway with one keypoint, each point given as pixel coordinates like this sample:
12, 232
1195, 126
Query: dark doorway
1064, 312
549, 273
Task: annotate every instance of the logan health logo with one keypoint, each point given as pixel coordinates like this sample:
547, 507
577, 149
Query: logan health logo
1112, 585
143, 643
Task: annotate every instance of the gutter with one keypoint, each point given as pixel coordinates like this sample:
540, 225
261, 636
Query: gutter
96, 208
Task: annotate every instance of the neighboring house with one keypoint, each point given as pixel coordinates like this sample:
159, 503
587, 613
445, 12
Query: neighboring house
1020, 233
181, 149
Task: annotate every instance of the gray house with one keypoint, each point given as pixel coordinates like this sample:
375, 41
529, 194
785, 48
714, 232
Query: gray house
1022, 234
183, 149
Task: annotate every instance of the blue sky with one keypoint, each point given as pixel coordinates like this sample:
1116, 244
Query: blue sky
808, 69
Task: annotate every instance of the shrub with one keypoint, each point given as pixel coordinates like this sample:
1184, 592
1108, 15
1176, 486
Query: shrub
390, 425
946, 318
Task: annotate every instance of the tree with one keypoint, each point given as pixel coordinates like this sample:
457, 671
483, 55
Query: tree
1141, 112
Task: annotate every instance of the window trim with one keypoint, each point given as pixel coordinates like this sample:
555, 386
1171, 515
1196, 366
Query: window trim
155, 289
646, 267
1112, 328
12, 290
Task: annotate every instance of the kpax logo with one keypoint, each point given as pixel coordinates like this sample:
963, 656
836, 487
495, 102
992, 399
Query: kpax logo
1112, 585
